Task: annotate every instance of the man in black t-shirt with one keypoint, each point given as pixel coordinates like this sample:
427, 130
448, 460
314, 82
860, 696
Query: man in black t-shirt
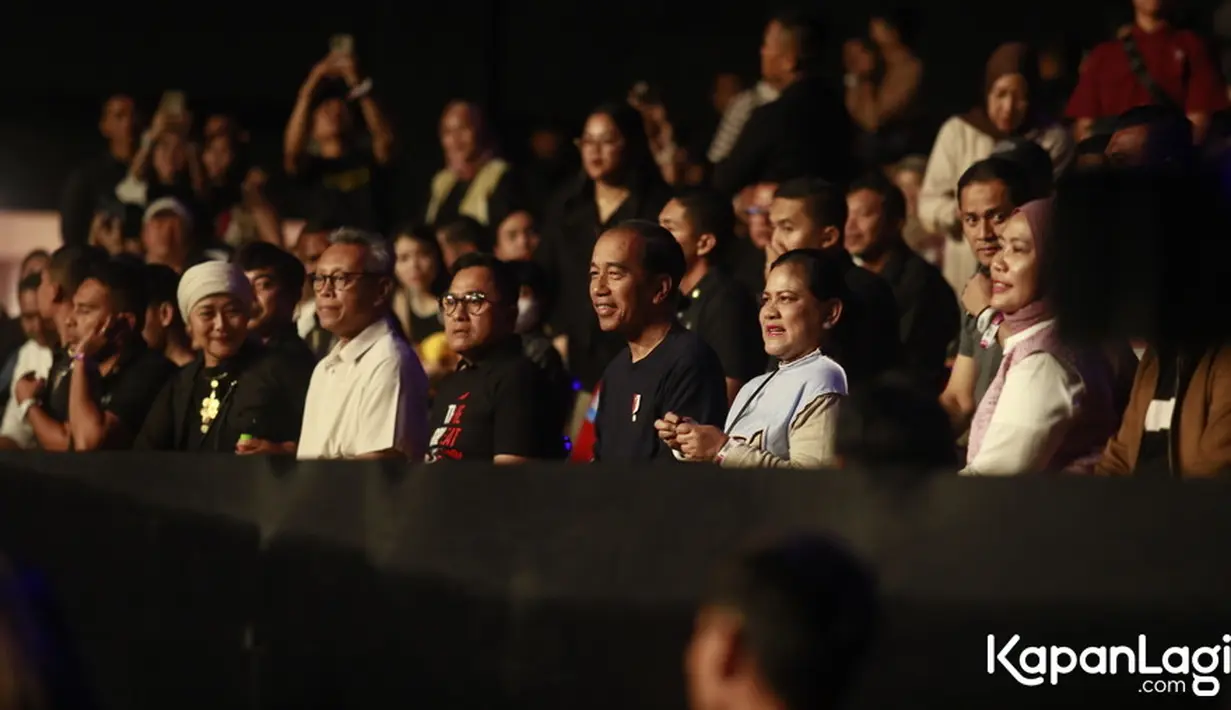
635, 272
113, 377
714, 305
497, 407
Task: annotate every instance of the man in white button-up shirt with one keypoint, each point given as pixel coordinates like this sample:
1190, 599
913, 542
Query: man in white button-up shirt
368, 396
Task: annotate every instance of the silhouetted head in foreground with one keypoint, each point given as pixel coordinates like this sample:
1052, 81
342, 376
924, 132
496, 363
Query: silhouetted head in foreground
785, 626
893, 424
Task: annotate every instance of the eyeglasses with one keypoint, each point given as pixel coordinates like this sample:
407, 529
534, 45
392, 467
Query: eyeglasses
343, 281
601, 142
476, 302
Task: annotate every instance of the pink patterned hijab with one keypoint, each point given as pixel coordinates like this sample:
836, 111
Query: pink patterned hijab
1097, 416
1038, 218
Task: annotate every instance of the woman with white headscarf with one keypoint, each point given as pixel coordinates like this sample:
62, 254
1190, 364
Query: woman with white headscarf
235, 388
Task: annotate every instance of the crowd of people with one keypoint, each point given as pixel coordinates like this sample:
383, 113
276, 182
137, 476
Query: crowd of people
807, 291
804, 290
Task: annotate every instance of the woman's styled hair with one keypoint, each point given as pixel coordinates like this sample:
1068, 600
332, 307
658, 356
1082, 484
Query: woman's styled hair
638, 162
825, 271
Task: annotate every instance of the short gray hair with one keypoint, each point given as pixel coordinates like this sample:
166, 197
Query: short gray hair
380, 257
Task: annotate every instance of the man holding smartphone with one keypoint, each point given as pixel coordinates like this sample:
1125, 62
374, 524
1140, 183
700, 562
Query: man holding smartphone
114, 377
323, 151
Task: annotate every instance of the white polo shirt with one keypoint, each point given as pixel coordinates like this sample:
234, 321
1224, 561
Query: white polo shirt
35, 358
367, 395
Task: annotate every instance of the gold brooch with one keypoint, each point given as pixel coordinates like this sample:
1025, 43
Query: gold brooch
210, 406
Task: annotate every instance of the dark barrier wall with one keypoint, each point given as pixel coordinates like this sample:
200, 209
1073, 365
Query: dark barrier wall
247, 583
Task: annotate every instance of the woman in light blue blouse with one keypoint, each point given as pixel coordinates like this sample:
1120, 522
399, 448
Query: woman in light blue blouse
785, 418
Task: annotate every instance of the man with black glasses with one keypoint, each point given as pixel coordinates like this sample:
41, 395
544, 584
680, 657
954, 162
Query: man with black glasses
494, 407
368, 396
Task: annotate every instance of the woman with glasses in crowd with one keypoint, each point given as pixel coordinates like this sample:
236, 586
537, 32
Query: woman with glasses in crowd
619, 181
786, 418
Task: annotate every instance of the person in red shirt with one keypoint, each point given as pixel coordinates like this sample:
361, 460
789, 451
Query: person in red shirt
1179, 68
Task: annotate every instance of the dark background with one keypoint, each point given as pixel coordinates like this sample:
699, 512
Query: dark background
213, 582
528, 61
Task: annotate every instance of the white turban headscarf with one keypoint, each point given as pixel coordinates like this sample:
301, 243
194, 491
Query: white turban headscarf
210, 279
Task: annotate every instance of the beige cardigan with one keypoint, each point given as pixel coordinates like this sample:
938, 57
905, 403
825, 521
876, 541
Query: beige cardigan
474, 203
811, 437
958, 146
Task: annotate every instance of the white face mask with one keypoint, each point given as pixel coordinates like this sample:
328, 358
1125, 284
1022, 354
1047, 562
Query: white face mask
527, 314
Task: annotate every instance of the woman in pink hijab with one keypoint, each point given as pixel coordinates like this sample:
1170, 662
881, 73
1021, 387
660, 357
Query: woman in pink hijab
1050, 407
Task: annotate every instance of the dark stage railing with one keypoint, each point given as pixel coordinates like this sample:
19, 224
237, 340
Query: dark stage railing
207, 582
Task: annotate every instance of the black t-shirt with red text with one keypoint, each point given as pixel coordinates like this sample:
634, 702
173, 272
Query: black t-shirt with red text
496, 404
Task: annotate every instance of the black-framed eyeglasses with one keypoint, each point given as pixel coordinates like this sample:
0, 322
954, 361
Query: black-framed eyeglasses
476, 302
342, 281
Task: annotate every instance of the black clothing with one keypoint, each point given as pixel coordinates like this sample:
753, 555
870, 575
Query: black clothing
286, 343
806, 132
260, 393
494, 405
929, 319
746, 262
422, 327
540, 179
208, 383
88, 188
560, 385
865, 340
344, 190
127, 390
572, 228
682, 375
55, 394
720, 310
11, 339
503, 200
1154, 456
